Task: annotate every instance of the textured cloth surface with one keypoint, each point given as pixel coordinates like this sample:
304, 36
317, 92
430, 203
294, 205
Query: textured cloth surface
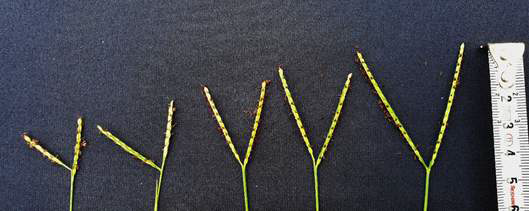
119, 63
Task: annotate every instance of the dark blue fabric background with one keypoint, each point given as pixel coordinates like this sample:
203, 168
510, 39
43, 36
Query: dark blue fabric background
119, 63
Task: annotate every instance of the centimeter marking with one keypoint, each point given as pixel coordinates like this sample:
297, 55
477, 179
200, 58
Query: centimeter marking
509, 122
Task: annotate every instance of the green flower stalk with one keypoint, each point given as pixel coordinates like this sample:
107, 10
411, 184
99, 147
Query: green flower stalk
315, 163
147, 161
79, 144
224, 131
395, 120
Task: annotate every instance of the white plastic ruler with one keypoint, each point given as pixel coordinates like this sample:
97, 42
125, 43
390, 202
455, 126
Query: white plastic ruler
509, 121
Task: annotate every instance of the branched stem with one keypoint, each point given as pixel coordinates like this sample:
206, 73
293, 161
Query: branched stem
79, 144
144, 159
315, 163
226, 135
392, 116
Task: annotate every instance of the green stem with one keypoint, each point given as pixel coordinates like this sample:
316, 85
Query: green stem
243, 169
316, 194
159, 185
426, 187
72, 181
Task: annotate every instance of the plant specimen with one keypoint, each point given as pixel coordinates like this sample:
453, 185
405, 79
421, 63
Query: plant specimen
79, 144
315, 163
139, 156
395, 120
224, 131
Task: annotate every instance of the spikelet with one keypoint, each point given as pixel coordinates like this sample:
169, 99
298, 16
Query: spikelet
221, 124
77, 149
449, 104
127, 148
335, 119
256, 122
33, 143
168, 129
389, 109
296, 114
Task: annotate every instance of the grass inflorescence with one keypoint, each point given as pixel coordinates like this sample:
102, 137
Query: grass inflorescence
136, 154
226, 135
79, 144
392, 116
315, 162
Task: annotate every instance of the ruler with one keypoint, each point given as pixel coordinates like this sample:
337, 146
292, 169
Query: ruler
509, 121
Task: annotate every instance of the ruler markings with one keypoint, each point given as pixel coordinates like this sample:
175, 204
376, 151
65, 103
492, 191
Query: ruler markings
509, 121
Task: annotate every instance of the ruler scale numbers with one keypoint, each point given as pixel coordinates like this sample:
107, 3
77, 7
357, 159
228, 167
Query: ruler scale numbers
509, 122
